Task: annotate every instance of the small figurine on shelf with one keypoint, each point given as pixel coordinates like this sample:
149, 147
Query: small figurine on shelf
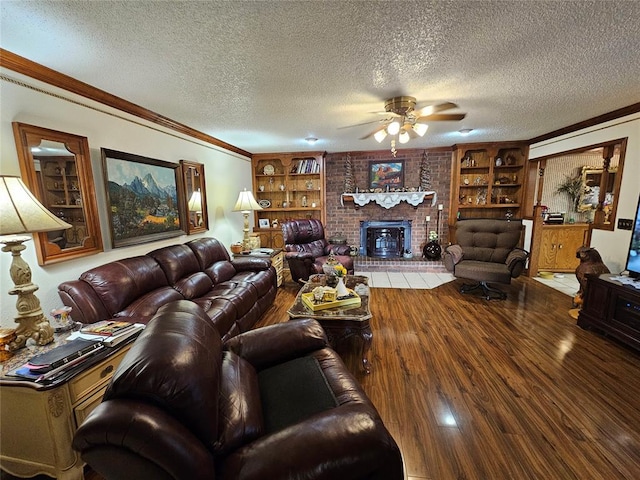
304, 201
274, 223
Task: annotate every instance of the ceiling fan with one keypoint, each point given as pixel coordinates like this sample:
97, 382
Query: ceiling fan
406, 121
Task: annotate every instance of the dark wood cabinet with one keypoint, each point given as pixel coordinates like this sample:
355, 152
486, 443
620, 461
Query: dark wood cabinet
612, 308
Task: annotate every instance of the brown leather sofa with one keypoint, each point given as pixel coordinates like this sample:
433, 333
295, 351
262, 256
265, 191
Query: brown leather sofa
233, 293
273, 403
307, 249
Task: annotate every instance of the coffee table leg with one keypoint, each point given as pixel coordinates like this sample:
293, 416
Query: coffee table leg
367, 338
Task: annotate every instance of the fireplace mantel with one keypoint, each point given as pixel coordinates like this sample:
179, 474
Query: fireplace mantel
389, 199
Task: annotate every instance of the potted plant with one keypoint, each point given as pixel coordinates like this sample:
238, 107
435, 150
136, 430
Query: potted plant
571, 187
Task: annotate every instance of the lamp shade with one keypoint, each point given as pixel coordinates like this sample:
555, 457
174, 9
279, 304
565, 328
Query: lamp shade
421, 128
21, 212
380, 135
195, 202
393, 128
246, 202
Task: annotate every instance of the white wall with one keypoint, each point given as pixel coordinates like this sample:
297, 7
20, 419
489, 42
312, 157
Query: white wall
612, 245
226, 174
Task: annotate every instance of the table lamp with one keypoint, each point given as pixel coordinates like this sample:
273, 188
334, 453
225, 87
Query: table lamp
245, 204
21, 212
195, 205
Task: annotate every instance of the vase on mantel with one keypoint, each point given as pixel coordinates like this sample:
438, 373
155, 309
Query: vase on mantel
341, 288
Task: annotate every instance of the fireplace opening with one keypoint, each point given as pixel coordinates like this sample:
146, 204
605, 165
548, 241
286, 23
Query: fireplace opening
385, 239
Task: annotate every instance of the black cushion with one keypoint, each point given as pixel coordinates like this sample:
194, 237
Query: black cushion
293, 391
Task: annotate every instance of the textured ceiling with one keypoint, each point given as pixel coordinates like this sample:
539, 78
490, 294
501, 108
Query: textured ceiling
264, 75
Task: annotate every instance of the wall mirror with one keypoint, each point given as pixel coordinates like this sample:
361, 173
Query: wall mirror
56, 167
592, 181
195, 196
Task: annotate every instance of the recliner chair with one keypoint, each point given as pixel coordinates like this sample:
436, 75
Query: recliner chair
307, 250
487, 252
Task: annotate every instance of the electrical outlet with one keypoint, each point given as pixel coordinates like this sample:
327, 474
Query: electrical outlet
625, 224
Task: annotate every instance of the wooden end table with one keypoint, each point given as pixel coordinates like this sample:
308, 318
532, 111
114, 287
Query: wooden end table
340, 323
39, 420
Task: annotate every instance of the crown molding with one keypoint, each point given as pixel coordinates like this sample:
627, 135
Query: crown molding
606, 117
52, 77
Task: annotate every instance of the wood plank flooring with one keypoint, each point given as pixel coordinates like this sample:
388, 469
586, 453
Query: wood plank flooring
497, 390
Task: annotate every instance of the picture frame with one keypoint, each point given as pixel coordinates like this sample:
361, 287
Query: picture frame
264, 223
386, 175
145, 198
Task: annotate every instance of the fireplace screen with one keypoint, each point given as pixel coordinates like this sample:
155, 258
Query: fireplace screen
385, 239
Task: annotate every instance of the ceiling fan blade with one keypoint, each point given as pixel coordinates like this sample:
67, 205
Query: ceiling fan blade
431, 109
373, 132
364, 123
440, 117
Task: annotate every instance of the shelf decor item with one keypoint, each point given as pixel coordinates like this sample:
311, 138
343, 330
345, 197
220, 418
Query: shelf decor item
21, 212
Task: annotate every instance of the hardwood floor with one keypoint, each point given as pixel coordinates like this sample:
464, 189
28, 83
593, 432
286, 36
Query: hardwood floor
497, 390
500, 390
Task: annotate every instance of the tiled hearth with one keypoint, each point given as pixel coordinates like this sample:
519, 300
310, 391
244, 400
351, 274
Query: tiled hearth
415, 264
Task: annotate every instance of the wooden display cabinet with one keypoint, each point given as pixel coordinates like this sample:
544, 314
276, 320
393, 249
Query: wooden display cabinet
487, 181
287, 186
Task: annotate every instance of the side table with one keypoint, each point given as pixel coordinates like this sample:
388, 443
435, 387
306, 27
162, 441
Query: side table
38, 421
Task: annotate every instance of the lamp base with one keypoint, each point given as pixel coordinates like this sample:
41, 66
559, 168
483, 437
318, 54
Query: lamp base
30, 319
35, 326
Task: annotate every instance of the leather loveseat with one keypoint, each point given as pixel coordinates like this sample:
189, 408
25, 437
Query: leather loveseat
272, 403
233, 293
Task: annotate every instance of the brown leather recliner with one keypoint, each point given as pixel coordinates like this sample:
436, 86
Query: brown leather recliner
307, 249
486, 251
182, 405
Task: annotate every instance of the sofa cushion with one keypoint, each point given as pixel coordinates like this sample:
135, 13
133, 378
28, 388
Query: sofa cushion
147, 305
293, 391
177, 261
483, 271
193, 286
120, 283
175, 365
240, 417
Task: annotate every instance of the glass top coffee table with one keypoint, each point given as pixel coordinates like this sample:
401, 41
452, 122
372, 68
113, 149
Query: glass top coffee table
340, 324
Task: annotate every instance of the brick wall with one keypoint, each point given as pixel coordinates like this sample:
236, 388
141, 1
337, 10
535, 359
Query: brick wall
346, 220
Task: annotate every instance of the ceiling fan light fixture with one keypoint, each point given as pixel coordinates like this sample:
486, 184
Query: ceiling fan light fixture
465, 131
393, 128
311, 140
403, 137
420, 128
380, 135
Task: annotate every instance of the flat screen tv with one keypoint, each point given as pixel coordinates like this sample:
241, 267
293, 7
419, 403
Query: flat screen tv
633, 257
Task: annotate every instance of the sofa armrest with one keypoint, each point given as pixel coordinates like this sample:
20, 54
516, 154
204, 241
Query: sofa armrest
115, 441
354, 444
299, 256
516, 261
452, 256
267, 346
337, 249
250, 264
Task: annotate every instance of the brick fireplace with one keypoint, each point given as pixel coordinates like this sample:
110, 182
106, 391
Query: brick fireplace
347, 219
